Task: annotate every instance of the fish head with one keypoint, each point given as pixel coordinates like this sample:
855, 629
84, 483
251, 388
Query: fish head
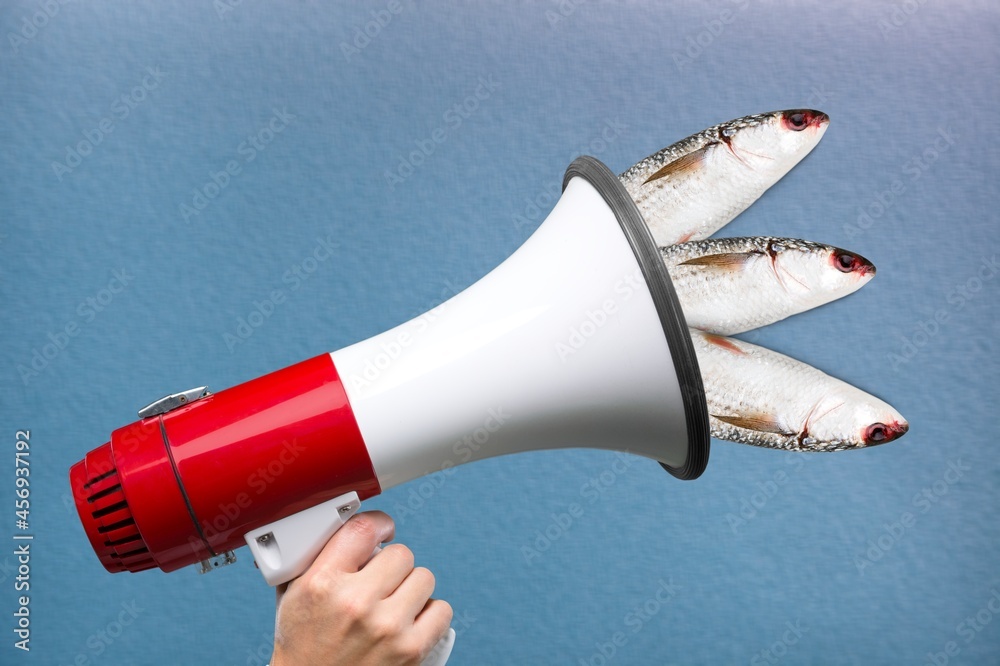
823, 272
772, 143
876, 423
857, 423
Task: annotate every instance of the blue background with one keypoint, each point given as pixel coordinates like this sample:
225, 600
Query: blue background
815, 552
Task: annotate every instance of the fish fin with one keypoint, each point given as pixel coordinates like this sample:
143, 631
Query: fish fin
755, 422
724, 342
685, 164
727, 260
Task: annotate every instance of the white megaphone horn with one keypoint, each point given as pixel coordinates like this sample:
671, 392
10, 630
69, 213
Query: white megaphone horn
576, 340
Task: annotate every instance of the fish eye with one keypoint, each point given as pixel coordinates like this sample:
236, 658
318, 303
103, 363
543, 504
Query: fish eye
796, 121
845, 262
876, 433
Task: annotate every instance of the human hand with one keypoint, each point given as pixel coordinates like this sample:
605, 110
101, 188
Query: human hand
353, 608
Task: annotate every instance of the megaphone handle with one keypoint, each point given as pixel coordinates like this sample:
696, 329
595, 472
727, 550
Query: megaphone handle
439, 655
284, 549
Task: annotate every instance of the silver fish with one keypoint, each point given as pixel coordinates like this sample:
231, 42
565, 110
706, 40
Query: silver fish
732, 285
760, 397
693, 188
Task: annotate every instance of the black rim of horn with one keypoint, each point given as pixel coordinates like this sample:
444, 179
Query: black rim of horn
667, 306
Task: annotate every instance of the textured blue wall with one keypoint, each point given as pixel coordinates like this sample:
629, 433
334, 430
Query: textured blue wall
821, 552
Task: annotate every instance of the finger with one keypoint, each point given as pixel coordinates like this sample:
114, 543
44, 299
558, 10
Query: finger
387, 570
352, 545
432, 623
411, 596
378, 549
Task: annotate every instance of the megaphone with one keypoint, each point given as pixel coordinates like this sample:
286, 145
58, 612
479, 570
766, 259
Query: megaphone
576, 340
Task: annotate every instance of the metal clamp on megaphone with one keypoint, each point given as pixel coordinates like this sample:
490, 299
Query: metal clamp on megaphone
577, 337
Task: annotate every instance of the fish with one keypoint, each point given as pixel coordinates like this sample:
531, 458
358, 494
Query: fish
693, 188
732, 285
760, 397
